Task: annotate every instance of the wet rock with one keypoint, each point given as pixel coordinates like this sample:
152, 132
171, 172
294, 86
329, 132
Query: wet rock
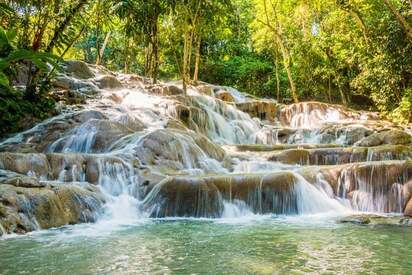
371, 186
183, 113
396, 137
87, 115
69, 97
131, 122
341, 155
80, 86
19, 180
291, 156
166, 90
408, 209
78, 69
132, 81
224, 96
263, 109
372, 140
202, 196
93, 136
108, 82
393, 136
172, 90
205, 89
27, 209
185, 197
375, 220
353, 134
407, 191
177, 150
356, 219
389, 152
35, 164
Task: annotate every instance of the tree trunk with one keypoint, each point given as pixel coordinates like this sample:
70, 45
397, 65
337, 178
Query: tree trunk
66, 22
126, 55
100, 55
277, 32
341, 92
155, 45
38, 37
329, 90
197, 61
286, 63
148, 60
360, 22
277, 76
401, 20
185, 59
98, 32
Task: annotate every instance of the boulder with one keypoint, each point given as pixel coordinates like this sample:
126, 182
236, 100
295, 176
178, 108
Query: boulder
375, 220
202, 196
172, 90
78, 69
30, 163
18, 180
291, 156
185, 197
166, 90
372, 140
92, 136
108, 82
205, 89
262, 109
393, 136
408, 209
353, 134
29, 206
225, 96
396, 137
70, 83
179, 150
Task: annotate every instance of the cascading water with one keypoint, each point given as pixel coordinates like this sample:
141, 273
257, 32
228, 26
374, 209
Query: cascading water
153, 151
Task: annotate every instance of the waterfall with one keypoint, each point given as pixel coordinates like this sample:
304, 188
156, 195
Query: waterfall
312, 200
154, 152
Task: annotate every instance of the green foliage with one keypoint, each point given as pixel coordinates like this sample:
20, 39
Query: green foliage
252, 74
14, 106
355, 52
403, 113
18, 113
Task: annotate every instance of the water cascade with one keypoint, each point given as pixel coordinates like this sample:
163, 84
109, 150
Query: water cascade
141, 150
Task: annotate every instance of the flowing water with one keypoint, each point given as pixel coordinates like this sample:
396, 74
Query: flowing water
265, 245
194, 185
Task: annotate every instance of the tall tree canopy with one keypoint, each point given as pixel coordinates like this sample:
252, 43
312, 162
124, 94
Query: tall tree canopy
354, 52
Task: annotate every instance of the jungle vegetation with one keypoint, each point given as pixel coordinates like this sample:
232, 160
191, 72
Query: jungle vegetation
352, 52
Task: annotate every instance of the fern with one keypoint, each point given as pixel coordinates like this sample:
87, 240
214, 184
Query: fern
12, 55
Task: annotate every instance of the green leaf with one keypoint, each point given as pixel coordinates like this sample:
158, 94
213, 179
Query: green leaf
4, 81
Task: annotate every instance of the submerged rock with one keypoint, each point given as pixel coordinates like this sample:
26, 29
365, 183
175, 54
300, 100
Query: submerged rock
375, 220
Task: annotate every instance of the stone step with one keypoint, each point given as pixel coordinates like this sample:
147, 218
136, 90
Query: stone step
341, 155
384, 186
